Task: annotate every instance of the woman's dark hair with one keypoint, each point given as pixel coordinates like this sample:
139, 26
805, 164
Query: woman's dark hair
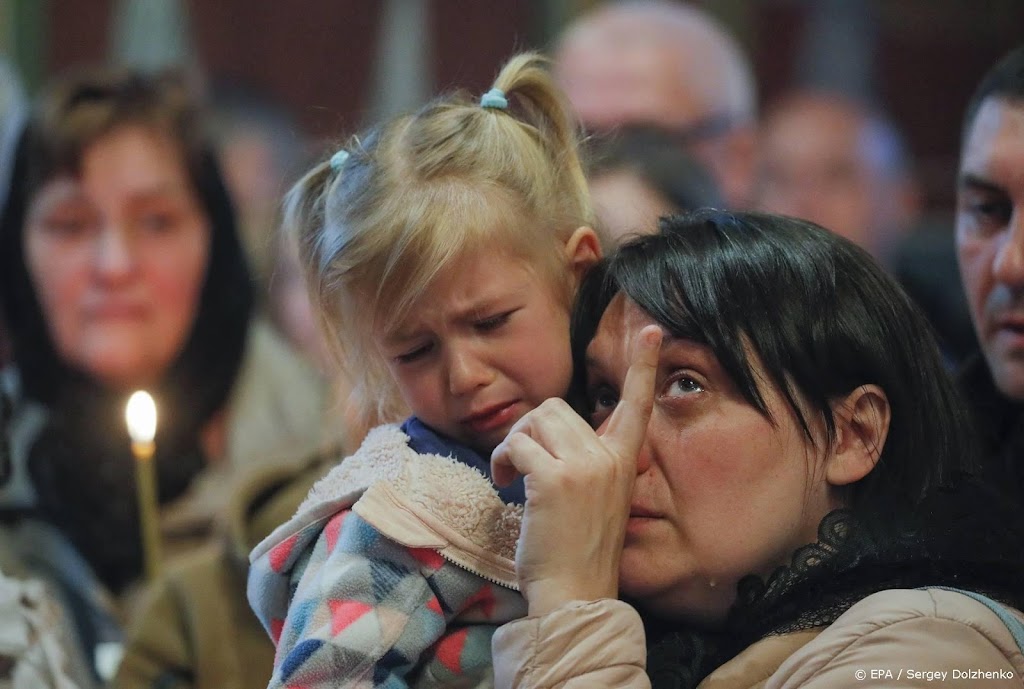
1005, 79
85, 436
820, 315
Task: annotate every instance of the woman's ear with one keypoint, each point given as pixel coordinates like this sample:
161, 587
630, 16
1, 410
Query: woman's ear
862, 424
583, 250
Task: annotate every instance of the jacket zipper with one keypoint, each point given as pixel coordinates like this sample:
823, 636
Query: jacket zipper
476, 573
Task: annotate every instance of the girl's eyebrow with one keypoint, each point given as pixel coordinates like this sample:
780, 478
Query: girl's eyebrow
462, 315
476, 309
397, 338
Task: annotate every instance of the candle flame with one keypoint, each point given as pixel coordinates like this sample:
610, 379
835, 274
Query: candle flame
140, 414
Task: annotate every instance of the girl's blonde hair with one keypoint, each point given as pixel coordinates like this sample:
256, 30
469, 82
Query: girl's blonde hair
420, 191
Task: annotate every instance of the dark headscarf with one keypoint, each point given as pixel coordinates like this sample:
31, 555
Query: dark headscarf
81, 463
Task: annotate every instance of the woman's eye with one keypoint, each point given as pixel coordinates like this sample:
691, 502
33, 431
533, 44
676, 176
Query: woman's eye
603, 400
413, 355
67, 226
684, 385
156, 222
493, 322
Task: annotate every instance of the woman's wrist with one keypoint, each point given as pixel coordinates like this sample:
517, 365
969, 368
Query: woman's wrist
543, 598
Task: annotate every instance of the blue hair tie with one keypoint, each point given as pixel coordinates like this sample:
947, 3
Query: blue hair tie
495, 98
338, 159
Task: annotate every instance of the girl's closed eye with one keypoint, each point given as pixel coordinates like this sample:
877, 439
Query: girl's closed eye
493, 322
413, 355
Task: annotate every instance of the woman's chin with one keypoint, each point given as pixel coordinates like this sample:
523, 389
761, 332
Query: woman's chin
122, 374
699, 602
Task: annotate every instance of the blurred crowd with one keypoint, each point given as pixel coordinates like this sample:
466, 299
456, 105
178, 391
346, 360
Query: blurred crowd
140, 249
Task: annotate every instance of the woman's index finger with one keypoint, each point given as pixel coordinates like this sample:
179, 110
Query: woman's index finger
627, 424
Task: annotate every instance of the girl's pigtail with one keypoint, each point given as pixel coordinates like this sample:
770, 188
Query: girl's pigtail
303, 218
527, 80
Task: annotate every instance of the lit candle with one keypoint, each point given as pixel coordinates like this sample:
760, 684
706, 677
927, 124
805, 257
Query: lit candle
140, 414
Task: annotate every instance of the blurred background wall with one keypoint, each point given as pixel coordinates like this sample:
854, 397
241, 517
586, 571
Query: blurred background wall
335, 64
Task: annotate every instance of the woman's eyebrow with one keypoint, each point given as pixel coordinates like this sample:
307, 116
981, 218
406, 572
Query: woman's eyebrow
594, 359
159, 191
593, 364
61, 192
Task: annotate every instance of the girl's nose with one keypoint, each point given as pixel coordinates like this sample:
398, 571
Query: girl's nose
466, 371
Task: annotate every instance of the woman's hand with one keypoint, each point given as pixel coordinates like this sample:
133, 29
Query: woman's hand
579, 483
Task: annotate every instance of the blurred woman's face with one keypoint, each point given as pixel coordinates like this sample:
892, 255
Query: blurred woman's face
117, 257
720, 491
292, 309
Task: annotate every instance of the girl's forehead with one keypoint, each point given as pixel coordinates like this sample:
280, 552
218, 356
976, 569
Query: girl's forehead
467, 288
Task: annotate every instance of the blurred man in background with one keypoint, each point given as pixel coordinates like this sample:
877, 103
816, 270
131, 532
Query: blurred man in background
839, 162
262, 150
637, 175
836, 162
672, 66
990, 247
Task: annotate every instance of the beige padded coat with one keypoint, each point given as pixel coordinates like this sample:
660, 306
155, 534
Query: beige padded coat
897, 638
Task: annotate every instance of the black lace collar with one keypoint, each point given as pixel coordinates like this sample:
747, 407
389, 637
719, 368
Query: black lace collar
966, 537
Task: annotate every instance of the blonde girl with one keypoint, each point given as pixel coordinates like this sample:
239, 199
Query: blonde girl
444, 249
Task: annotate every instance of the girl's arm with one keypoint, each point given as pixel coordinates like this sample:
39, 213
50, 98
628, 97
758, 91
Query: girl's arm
368, 610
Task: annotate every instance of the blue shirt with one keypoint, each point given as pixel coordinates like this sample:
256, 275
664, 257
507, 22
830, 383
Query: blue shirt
425, 440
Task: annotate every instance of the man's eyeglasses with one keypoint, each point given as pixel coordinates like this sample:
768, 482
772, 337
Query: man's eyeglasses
699, 131
703, 129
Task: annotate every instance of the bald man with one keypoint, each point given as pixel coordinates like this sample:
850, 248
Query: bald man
672, 66
836, 162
